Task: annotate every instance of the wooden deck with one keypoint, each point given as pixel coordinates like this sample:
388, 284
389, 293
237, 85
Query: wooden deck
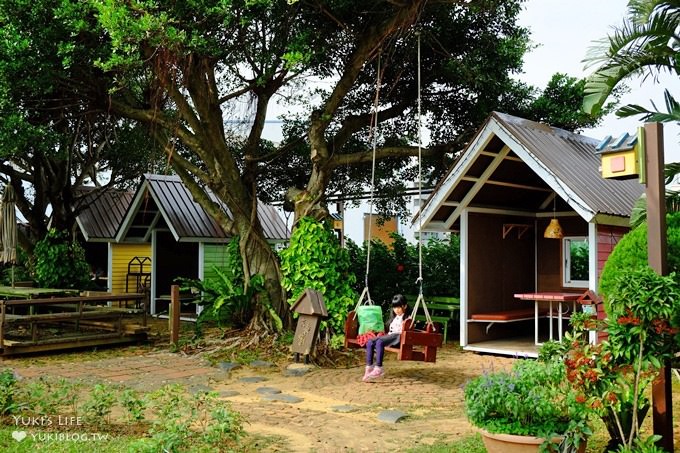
515, 347
56, 323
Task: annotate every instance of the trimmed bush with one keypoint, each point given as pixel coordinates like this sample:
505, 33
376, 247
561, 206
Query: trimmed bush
631, 253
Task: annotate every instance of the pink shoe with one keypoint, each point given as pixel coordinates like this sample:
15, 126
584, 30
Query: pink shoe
367, 373
377, 373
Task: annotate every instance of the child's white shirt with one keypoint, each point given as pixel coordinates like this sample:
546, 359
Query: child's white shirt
396, 324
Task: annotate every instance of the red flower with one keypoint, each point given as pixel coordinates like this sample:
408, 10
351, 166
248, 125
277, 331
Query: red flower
580, 398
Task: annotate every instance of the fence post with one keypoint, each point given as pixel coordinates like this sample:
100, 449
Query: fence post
174, 314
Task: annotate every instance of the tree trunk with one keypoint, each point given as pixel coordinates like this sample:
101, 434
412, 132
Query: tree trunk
259, 258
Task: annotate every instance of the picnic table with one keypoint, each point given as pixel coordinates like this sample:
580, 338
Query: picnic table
20, 292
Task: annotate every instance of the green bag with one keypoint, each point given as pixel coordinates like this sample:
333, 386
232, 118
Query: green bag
370, 319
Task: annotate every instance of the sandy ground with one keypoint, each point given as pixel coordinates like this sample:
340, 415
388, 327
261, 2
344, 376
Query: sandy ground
430, 396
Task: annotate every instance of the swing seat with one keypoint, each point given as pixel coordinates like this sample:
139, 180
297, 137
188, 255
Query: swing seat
417, 345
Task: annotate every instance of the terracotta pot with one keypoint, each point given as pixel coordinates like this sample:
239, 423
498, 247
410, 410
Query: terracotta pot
510, 443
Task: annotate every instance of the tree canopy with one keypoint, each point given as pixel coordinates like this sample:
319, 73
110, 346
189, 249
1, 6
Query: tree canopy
186, 71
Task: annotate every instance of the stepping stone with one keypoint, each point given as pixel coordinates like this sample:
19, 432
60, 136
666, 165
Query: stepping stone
228, 366
261, 364
282, 397
296, 369
199, 388
344, 409
253, 379
391, 416
267, 390
228, 393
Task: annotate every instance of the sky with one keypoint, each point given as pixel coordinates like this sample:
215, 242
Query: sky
564, 30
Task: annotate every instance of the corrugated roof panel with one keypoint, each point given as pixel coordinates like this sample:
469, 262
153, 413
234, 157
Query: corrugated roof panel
104, 213
189, 220
571, 158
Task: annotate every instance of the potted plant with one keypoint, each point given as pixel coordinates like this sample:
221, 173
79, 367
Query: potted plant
611, 379
529, 408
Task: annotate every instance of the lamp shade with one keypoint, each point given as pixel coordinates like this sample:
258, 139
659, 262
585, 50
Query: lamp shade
554, 230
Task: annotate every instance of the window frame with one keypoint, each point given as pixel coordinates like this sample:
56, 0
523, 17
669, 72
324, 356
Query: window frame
567, 282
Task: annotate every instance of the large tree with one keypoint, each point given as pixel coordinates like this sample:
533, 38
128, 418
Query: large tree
187, 70
53, 140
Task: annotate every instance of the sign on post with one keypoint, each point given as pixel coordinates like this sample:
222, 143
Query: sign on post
312, 310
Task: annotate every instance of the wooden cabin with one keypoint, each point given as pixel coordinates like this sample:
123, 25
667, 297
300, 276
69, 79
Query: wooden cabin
164, 234
517, 286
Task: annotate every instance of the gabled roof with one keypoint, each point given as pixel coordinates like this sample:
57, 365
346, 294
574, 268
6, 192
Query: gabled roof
165, 201
104, 213
518, 166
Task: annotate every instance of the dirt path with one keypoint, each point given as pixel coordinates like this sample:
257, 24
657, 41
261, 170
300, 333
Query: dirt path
430, 396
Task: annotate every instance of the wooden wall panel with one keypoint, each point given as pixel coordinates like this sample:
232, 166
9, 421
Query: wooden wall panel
498, 268
121, 254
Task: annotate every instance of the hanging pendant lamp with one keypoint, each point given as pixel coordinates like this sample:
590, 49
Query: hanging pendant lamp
554, 230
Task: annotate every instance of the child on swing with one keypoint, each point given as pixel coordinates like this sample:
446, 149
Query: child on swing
392, 338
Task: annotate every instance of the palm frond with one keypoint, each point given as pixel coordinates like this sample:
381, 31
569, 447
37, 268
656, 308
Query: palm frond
672, 113
670, 171
638, 215
646, 43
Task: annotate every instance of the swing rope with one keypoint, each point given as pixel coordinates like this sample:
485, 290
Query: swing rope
421, 299
374, 128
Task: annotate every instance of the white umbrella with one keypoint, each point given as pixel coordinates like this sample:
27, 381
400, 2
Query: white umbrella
8, 228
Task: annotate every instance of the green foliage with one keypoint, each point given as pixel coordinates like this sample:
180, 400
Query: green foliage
646, 43
134, 404
395, 270
199, 422
47, 396
559, 105
315, 260
7, 388
224, 297
611, 379
60, 263
98, 407
526, 401
631, 253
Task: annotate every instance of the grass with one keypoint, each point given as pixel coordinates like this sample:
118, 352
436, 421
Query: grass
468, 444
38, 440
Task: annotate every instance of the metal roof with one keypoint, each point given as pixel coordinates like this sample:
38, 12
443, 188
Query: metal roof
164, 201
104, 213
519, 165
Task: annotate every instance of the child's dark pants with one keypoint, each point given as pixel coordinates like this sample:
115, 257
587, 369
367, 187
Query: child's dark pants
378, 344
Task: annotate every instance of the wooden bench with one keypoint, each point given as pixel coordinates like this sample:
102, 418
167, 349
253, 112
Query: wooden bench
413, 344
506, 316
443, 309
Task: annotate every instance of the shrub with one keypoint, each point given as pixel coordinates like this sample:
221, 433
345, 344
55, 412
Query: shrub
315, 260
525, 401
60, 263
631, 253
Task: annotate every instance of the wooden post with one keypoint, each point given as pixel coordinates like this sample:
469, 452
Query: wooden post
657, 257
174, 314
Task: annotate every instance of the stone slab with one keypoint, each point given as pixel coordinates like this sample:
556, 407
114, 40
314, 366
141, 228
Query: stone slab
228, 366
228, 393
344, 409
391, 416
261, 364
267, 390
282, 397
296, 369
253, 379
